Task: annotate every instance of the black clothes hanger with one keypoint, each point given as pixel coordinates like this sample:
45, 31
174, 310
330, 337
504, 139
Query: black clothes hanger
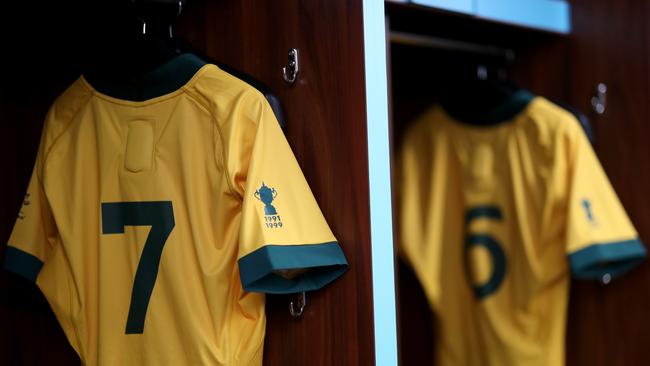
470, 79
136, 37
477, 91
135, 56
489, 97
132, 37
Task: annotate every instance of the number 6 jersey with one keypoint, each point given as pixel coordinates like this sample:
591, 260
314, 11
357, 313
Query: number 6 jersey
494, 219
160, 210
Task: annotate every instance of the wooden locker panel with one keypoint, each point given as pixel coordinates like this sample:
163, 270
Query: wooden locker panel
326, 128
608, 325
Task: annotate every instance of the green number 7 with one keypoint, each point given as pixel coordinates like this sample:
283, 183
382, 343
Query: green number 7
160, 216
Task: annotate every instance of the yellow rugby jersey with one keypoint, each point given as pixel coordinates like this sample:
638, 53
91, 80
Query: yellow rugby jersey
157, 215
495, 219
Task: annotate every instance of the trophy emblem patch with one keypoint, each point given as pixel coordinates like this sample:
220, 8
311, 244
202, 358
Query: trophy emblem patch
266, 195
26, 202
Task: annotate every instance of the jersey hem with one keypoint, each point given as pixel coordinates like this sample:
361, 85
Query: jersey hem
600, 259
325, 263
22, 263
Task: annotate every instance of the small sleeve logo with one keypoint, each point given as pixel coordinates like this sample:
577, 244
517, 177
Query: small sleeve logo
26, 202
266, 195
589, 213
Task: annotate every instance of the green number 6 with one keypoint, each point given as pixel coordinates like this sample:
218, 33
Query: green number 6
493, 247
160, 216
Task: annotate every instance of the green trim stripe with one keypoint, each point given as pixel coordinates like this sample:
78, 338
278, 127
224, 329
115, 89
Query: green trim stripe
599, 259
326, 262
505, 111
22, 263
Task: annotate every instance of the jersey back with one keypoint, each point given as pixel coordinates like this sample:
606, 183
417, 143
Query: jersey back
154, 227
493, 221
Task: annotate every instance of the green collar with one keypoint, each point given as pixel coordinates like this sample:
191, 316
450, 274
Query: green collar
166, 79
505, 111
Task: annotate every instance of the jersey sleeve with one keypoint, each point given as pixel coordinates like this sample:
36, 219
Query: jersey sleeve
34, 232
412, 221
285, 245
601, 241
414, 197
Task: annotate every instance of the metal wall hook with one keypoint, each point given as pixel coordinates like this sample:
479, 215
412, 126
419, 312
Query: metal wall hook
144, 25
482, 72
297, 310
606, 279
290, 73
180, 10
144, 21
599, 101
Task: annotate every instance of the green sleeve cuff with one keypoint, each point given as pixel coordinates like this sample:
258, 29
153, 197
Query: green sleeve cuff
615, 259
325, 263
22, 263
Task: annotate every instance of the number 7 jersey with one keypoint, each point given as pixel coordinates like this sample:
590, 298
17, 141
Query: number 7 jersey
494, 221
158, 214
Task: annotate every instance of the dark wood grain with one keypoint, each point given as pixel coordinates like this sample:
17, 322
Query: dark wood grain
326, 128
609, 324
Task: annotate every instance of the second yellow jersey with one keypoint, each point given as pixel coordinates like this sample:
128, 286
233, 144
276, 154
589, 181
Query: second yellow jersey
494, 221
158, 214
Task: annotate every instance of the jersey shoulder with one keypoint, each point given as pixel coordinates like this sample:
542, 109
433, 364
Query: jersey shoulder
550, 122
226, 96
62, 112
66, 105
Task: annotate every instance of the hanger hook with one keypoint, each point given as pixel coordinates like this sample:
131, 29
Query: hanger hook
180, 10
144, 25
482, 72
301, 306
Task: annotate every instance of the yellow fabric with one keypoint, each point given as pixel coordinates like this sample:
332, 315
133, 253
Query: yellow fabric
536, 170
207, 148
